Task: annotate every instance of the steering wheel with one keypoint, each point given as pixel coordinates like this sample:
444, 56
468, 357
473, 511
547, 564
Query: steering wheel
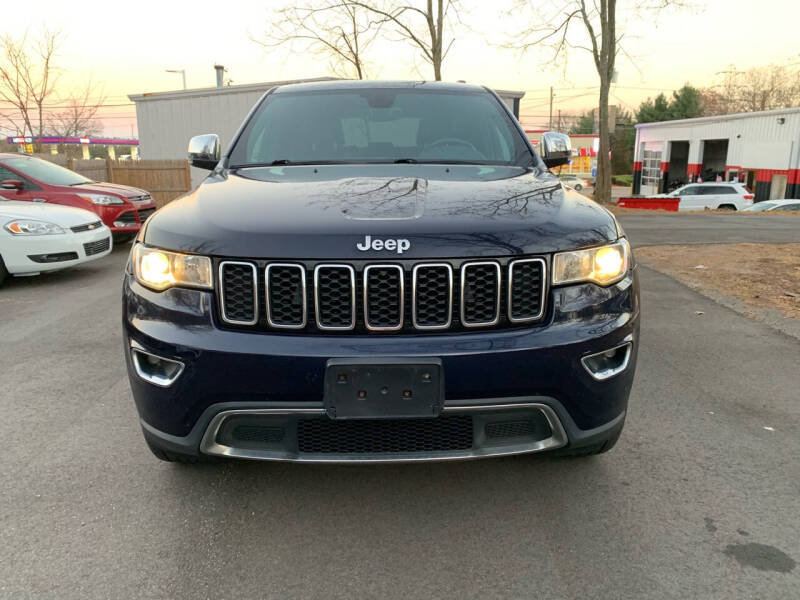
456, 141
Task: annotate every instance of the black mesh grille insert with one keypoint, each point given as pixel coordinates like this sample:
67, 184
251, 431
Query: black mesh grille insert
433, 296
506, 429
239, 301
383, 306
97, 247
144, 213
526, 289
335, 297
285, 284
375, 436
258, 433
480, 293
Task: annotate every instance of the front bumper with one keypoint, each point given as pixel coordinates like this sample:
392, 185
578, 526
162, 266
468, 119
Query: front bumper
83, 246
124, 218
533, 375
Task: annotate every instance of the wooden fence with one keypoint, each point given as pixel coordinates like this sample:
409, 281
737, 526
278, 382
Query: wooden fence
164, 179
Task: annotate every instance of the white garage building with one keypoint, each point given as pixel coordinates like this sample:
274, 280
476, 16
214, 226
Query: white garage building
166, 120
759, 149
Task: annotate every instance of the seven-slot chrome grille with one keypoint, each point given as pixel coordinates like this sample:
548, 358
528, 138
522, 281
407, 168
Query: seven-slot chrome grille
366, 296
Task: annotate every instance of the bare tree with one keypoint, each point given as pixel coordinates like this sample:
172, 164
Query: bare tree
334, 29
596, 24
79, 116
425, 27
759, 88
28, 77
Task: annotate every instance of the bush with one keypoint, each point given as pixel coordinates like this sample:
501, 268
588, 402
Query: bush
622, 180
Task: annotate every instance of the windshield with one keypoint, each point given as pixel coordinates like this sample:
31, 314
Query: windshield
45, 172
379, 125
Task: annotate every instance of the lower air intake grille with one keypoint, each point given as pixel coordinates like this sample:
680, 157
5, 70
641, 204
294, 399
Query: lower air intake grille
97, 247
324, 436
481, 293
507, 429
526, 286
144, 213
238, 284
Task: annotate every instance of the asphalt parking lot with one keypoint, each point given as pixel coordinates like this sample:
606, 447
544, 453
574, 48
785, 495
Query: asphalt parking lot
700, 498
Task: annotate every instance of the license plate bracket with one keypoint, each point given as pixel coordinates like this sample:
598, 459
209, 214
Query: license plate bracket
383, 388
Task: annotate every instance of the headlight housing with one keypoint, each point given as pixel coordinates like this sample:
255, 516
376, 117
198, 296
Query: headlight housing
160, 269
28, 227
102, 199
603, 265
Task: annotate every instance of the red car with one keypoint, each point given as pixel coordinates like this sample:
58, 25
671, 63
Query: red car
122, 208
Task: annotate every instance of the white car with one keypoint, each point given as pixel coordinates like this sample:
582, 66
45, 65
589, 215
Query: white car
576, 183
45, 237
712, 196
766, 205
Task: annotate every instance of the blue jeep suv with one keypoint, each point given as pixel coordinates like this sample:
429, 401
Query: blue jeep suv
379, 271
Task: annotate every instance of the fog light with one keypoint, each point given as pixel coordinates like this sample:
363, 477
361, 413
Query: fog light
604, 365
157, 370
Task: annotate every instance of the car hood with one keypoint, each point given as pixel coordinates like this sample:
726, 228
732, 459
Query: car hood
64, 216
323, 212
98, 187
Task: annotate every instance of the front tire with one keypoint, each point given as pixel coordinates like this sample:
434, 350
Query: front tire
3, 271
578, 187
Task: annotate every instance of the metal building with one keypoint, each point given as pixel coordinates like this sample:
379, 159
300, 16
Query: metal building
759, 149
166, 120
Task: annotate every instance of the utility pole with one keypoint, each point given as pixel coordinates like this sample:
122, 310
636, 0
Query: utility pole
551, 109
558, 125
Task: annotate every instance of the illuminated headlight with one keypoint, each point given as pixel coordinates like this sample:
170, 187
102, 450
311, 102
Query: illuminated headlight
25, 227
160, 269
603, 265
101, 199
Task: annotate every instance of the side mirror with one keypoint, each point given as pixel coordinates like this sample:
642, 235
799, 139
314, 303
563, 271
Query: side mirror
556, 149
204, 151
12, 184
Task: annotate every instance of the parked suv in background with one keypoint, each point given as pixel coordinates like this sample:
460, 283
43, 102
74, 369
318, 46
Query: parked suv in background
712, 196
380, 272
122, 208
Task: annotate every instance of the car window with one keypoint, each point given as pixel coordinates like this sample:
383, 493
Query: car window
9, 174
44, 171
710, 190
726, 189
691, 190
380, 125
793, 206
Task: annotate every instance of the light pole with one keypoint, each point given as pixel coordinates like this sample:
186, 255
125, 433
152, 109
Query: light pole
182, 72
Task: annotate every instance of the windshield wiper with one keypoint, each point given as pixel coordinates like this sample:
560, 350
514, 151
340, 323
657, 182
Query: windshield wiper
410, 161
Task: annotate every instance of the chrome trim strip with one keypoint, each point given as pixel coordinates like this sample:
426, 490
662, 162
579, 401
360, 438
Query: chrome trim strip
496, 319
609, 373
543, 289
449, 268
163, 382
366, 298
222, 293
352, 296
304, 292
558, 439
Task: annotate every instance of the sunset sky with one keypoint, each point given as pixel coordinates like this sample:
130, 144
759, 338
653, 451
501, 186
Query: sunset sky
127, 47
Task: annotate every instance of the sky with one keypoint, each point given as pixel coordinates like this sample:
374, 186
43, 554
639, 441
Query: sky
127, 48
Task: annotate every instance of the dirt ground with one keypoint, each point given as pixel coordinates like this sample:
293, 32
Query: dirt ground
762, 276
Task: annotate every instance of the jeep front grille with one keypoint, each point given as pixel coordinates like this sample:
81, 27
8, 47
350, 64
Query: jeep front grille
363, 296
